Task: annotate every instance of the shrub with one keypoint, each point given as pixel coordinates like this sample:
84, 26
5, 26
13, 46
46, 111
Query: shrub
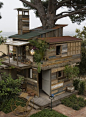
82, 87
74, 102
76, 83
76, 107
9, 87
47, 113
81, 104
80, 99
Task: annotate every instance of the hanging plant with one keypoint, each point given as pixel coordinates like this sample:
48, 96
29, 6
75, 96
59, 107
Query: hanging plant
40, 47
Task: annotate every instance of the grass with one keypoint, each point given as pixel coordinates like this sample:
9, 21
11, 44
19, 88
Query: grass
74, 102
48, 113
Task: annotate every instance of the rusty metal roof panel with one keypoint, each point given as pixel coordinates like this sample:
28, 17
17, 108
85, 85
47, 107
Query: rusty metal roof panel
60, 39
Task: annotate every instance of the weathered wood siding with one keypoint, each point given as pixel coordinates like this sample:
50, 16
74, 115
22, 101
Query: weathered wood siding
23, 24
55, 33
68, 55
58, 85
32, 83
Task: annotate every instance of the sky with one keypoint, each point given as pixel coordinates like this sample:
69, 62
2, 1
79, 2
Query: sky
8, 23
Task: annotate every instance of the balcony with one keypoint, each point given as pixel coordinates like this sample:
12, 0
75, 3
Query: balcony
18, 57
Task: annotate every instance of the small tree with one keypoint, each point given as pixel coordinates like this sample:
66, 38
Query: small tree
82, 35
9, 87
2, 39
71, 72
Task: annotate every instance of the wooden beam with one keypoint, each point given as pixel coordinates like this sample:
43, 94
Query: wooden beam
8, 52
17, 54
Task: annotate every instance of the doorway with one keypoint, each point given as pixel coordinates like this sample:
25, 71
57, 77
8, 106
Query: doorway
40, 80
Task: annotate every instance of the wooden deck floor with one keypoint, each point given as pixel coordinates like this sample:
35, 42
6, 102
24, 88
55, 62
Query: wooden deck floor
14, 63
44, 101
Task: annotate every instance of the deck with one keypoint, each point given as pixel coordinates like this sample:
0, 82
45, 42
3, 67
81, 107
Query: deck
43, 101
14, 63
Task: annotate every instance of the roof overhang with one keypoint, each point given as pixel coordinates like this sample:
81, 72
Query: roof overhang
17, 43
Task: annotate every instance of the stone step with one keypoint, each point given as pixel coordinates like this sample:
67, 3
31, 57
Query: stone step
34, 106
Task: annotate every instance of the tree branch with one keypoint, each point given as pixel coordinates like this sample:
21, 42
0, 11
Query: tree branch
29, 4
69, 14
61, 3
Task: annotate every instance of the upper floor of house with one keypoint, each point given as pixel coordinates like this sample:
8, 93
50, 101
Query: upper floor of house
62, 50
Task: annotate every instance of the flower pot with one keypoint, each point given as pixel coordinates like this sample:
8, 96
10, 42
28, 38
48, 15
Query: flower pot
70, 89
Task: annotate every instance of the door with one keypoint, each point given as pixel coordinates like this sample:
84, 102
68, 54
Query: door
46, 81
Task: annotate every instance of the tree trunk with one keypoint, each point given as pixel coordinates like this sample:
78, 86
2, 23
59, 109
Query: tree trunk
48, 22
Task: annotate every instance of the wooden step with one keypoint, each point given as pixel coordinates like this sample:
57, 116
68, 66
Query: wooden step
34, 106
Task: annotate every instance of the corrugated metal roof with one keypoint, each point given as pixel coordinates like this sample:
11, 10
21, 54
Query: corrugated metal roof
31, 34
36, 32
60, 39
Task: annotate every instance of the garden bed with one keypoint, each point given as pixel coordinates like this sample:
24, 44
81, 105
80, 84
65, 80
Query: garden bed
48, 113
74, 102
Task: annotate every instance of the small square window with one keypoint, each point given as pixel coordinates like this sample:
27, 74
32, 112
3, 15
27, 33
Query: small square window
59, 74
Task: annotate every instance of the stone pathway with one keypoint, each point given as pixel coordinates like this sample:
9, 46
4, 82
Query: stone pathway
70, 112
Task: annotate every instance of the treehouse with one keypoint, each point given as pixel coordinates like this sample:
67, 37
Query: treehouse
61, 51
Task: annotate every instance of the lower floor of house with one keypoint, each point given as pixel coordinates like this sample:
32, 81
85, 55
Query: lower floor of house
51, 81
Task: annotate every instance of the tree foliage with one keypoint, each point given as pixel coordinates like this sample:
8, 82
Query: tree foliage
82, 35
71, 72
40, 48
1, 4
9, 87
2, 39
47, 10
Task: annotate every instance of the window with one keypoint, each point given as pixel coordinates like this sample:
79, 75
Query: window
59, 74
58, 50
64, 50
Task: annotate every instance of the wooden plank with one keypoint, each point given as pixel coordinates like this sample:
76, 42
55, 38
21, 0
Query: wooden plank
57, 85
55, 91
59, 93
54, 81
57, 69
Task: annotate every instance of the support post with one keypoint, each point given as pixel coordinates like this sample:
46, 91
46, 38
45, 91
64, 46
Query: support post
17, 54
8, 53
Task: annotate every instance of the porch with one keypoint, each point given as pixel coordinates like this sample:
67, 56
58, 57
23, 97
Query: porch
43, 100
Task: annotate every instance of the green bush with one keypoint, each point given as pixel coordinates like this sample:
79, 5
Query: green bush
82, 87
76, 83
47, 113
81, 104
76, 107
74, 102
9, 87
80, 99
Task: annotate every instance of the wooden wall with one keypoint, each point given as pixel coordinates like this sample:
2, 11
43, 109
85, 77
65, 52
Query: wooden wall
58, 85
55, 33
71, 55
32, 83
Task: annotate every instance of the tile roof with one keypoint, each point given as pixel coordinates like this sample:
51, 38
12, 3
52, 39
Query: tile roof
35, 32
60, 39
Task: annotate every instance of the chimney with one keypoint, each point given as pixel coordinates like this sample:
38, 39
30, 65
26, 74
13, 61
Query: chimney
23, 21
